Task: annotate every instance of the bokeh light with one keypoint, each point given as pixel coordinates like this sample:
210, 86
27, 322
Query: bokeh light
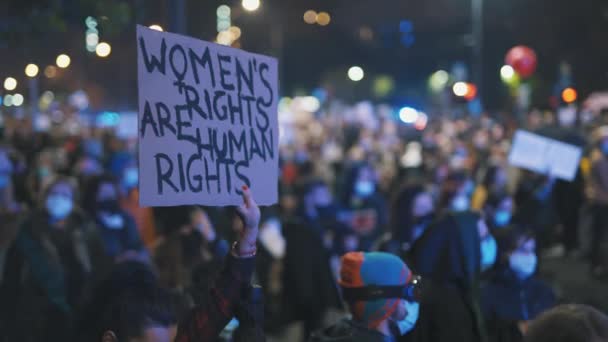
235, 32
8, 100
355, 73
224, 38
103, 49
471, 92
156, 27
251, 5
63, 61
383, 85
408, 115
323, 18
31, 70
50, 71
569, 95
92, 39
223, 11
17, 100
310, 17
438, 80
507, 73
10, 83
460, 89
421, 121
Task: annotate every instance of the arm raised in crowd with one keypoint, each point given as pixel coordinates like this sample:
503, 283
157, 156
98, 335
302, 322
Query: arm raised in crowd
205, 322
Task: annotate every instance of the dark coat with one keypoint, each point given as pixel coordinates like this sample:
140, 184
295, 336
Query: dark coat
448, 256
348, 331
507, 300
47, 276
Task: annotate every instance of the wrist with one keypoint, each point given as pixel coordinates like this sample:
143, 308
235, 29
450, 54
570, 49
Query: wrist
243, 249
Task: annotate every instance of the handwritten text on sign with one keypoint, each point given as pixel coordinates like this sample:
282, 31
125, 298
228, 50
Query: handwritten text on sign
207, 122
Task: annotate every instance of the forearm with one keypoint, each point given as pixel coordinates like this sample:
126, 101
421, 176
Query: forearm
205, 322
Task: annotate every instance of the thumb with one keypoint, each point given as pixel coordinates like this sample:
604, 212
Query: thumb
247, 198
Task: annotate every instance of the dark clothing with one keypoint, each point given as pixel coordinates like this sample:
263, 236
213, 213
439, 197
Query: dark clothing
205, 322
349, 331
48, 273
507, 300
119, 240
599, 214
448, 254
308, 284
369, 219
444, 316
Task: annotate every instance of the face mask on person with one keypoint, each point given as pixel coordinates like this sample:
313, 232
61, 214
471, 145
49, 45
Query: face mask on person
108, 205
409, 322
523, 264
112, 221
460, 203
488, 252
58, 206
502, 218
130, 178
365, 188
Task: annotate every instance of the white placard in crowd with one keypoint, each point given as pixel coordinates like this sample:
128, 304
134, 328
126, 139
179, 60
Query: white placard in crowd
544, 155
207, 122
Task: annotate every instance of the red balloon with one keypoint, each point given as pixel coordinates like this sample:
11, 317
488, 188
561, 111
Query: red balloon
522, 59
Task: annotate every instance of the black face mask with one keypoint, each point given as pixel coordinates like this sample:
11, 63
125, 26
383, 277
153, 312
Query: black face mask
108, 206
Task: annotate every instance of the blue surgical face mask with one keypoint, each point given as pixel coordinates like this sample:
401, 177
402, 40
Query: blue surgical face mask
4, 180
58, 206
130, 178
488, 252
523, 264
112, 221
365, 188
409, 322
502, 218
460, 203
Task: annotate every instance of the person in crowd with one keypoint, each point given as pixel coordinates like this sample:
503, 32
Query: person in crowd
450, 256
55, 258
514, 296
412, 211
116, 227
379, 290
143, 216
598, 195
318, 209
499, 209
367, 212
494, 182
454, 193
569, 323
11, 212
188, 249
205, 322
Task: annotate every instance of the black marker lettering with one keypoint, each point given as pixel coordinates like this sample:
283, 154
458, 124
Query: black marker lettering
164, 177
204, 61
155, 63
148, 120
224, 72
164, 121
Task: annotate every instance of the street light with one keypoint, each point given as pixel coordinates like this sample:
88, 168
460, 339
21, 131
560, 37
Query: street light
10, 83
31, 70
103, 49
460, 89
355, 73
63, 61
251, 5
156, 27
507, 73
17, 100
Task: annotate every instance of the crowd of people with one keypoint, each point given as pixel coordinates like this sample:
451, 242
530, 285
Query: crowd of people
383, 232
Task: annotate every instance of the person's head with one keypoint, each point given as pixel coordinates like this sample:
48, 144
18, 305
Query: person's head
146, 314
569, 323
454, 192
495, 178
379, 288
360, 182
517, 250
412, 204
499, 210
101, 195
59, 197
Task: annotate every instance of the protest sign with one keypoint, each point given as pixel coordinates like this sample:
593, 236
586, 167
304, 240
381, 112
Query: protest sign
544, 155
207, 122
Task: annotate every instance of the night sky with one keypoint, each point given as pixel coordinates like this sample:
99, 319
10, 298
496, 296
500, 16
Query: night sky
311, 55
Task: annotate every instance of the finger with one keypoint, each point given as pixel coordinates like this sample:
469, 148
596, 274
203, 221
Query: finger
247, 198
